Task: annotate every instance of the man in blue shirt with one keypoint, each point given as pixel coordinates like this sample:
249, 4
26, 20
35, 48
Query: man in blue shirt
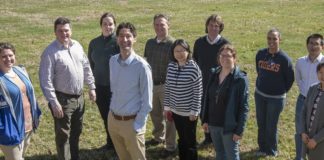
132, 90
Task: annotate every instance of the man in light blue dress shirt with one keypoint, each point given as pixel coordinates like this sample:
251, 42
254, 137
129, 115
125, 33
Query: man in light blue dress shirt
306, 76
131, 102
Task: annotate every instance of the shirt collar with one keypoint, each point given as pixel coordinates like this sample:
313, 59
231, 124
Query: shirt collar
317, 59
214, 41
163, 40
61, 46
128, 61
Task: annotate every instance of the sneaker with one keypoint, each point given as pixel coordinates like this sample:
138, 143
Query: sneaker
275, 154
260, 154
152, 142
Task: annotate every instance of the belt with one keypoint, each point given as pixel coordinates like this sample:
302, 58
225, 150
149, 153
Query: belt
158, 83
67, 95
123, 118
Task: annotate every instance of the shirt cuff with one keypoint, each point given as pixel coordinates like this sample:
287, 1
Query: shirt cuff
139, 128
54, 103
194, 113
167, 108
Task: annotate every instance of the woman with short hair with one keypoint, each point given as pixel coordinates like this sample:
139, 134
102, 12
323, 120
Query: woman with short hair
226, 105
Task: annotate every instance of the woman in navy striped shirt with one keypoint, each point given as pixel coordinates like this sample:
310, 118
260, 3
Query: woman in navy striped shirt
183, 92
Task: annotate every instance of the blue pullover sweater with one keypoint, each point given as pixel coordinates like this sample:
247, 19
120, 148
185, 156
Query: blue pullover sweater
275, 73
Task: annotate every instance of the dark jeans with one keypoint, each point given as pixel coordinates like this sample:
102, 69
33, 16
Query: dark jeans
69, 128
187, 137
267, 113
103, 102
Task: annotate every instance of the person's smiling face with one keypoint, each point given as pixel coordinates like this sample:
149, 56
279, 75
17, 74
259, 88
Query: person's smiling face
8, 59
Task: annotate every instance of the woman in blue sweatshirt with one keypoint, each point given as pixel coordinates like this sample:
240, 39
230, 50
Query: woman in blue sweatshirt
275, 77
19, 112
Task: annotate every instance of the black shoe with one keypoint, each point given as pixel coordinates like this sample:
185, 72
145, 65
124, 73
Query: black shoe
106, 147
152, 142
114, 156
110, 147
166, 153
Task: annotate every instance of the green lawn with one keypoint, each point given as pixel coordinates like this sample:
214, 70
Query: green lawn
28, 24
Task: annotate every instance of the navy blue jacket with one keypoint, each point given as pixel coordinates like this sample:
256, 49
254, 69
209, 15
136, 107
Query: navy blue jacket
237, 108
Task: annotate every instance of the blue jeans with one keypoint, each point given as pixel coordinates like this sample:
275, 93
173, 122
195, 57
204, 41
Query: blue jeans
225, 147
267, 114
298, 123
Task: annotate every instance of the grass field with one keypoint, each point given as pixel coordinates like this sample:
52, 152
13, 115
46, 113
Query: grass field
28, 24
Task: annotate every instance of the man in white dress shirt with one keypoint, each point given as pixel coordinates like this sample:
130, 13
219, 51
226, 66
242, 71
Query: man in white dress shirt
306, 76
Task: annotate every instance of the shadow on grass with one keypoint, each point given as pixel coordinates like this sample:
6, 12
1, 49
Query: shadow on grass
250, 155
152, 153
85, 154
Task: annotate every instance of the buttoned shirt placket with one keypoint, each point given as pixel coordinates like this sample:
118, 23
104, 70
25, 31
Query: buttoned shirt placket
76, 72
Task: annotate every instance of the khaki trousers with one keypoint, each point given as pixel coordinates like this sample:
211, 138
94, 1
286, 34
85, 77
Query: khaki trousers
163, 130
129, 145
17, 152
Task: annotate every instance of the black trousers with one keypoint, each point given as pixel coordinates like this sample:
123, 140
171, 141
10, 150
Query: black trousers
187, 137
103, 102
207, 134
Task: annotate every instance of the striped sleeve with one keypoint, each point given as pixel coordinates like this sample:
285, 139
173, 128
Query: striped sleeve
197, 92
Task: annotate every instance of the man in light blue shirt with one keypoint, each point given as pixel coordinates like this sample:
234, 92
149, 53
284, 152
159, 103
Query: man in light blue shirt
306, 76
131, 102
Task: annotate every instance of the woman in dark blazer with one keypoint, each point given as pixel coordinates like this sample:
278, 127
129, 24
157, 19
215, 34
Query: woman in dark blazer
313, 119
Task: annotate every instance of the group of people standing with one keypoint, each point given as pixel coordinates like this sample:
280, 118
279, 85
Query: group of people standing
171, 83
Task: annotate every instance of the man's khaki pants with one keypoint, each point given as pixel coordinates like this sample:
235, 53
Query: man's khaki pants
163, 130
129, 145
